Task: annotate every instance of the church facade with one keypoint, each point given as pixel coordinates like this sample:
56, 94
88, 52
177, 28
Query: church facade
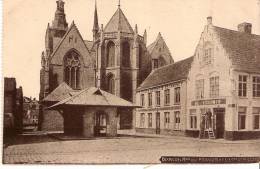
116, 60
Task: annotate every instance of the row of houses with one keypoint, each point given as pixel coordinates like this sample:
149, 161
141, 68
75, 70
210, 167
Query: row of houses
213, 94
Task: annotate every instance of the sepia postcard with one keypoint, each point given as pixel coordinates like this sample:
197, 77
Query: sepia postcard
131, 82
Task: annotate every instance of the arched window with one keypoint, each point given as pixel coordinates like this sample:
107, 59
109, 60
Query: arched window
72, 69
111, 84
126, 55
110, 54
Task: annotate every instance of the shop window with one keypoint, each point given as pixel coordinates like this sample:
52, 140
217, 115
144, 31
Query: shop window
167, 120
177, 95
199, 89
256, 86
142, 99
158, 98
241, 118
142, 119
177, 120
150, 120
167, 97
256, 118
242, 86
214, 87
150, 101
193, 119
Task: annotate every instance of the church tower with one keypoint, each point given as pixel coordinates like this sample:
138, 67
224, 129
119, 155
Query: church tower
120, 57
54, 34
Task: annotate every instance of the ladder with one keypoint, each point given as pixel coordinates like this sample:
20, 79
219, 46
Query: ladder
211, 133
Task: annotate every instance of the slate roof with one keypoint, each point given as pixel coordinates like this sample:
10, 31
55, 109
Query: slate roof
169, 73
243, 49
62, 92
118, 22
94, 97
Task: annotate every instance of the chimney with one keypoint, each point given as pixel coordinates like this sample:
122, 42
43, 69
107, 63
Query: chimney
245, 27
209, 20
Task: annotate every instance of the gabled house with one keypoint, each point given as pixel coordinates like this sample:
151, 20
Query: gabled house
224, 84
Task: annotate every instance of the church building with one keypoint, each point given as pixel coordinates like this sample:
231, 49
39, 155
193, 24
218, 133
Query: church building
116, 60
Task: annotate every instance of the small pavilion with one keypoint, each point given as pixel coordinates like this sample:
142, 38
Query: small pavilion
90, 112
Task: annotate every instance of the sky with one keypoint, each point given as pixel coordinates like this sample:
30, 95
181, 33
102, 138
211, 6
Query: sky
179, 21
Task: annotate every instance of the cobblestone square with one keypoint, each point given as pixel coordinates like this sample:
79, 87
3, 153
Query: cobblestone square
43, 149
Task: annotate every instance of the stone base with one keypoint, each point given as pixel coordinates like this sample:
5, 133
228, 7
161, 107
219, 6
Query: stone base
241, 135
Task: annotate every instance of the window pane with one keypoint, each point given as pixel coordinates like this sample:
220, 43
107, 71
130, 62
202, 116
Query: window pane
256, 121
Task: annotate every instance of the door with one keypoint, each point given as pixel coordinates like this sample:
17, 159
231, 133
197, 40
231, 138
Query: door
220, 124
101, 124
157, 123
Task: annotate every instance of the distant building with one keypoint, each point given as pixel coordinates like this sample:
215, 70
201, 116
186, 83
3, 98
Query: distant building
30, 114
224, 84
13, 107
163, 97
116, 60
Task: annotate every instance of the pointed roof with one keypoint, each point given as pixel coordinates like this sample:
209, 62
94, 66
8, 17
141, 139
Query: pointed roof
167, 74
94, 97
118, 22
73, 25
243, 49
61, 92
95, 25
152, 45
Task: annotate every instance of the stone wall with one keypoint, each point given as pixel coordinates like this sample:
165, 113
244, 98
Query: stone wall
51, 121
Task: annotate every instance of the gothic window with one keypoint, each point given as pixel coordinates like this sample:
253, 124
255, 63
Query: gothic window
111, 84
110, 54
72, 70
126, 55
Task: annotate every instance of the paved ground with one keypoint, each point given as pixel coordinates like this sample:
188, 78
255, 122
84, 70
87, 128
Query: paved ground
43, 149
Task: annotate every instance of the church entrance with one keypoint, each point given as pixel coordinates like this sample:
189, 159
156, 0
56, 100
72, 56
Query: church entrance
101, 120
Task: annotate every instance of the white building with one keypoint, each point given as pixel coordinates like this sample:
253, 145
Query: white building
224, 82
163, 99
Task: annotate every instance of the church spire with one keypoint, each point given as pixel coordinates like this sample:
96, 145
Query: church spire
95, 25
118, 4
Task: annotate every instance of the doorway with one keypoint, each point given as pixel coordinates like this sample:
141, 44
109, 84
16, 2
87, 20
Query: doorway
158, 123
220, 122
101, 120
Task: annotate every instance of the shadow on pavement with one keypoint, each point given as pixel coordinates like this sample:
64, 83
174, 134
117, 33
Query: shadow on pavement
27, 139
